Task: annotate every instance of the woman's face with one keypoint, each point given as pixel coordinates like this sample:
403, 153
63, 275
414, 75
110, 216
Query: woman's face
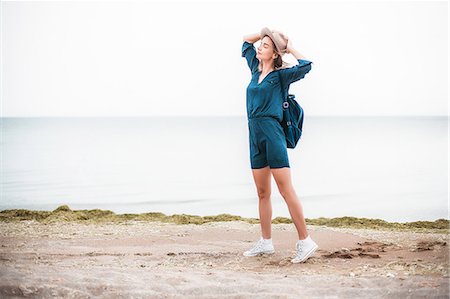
266, 49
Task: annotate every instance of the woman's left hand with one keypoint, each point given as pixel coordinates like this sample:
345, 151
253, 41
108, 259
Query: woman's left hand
289, 45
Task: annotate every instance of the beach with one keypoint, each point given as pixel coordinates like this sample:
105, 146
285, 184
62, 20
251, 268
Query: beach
157, 259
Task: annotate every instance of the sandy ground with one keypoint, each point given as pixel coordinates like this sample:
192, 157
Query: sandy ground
162, 260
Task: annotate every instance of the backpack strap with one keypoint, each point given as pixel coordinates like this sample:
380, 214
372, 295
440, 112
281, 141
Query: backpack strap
282, 88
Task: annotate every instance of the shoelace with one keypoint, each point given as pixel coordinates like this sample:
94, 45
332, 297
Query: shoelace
257, 246
299, 247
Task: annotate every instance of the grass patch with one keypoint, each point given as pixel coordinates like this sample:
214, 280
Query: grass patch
65, 214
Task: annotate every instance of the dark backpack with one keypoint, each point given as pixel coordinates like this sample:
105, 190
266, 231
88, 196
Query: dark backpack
292, 118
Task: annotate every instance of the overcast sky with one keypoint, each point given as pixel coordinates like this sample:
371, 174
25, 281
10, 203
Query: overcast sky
141, 58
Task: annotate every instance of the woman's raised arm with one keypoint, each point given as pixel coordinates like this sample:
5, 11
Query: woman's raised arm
252, 38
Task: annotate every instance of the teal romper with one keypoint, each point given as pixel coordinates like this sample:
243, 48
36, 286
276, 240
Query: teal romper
265, 111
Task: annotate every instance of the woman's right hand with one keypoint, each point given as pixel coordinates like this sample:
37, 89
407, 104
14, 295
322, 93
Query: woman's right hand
252, 38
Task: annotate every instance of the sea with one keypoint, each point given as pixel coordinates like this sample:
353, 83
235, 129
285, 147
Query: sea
386, 167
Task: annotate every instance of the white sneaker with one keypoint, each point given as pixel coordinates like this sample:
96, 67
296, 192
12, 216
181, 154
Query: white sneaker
305, 248
261, 246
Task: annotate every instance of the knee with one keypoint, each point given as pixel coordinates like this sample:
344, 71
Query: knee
263, 194
287, 192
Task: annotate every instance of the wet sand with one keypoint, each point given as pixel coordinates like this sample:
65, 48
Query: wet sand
153, 259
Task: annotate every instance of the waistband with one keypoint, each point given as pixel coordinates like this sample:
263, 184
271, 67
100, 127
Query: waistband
261, 118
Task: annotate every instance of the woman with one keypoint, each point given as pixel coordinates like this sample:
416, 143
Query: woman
268, 150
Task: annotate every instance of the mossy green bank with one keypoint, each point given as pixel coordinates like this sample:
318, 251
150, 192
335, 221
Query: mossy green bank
65, 214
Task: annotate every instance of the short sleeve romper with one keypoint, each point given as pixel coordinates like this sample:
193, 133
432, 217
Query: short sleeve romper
265, 111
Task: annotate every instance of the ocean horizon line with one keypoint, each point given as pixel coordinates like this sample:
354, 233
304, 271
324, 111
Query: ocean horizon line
223, 116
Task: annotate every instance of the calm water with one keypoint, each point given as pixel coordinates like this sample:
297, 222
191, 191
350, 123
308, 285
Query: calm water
393, 168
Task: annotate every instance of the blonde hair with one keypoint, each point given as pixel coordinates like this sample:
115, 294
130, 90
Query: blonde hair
278, 63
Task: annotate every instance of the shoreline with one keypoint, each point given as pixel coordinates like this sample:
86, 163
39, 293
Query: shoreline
141, 259
63, 213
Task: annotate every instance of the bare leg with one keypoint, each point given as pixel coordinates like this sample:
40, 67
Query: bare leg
282, 177
263, 187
